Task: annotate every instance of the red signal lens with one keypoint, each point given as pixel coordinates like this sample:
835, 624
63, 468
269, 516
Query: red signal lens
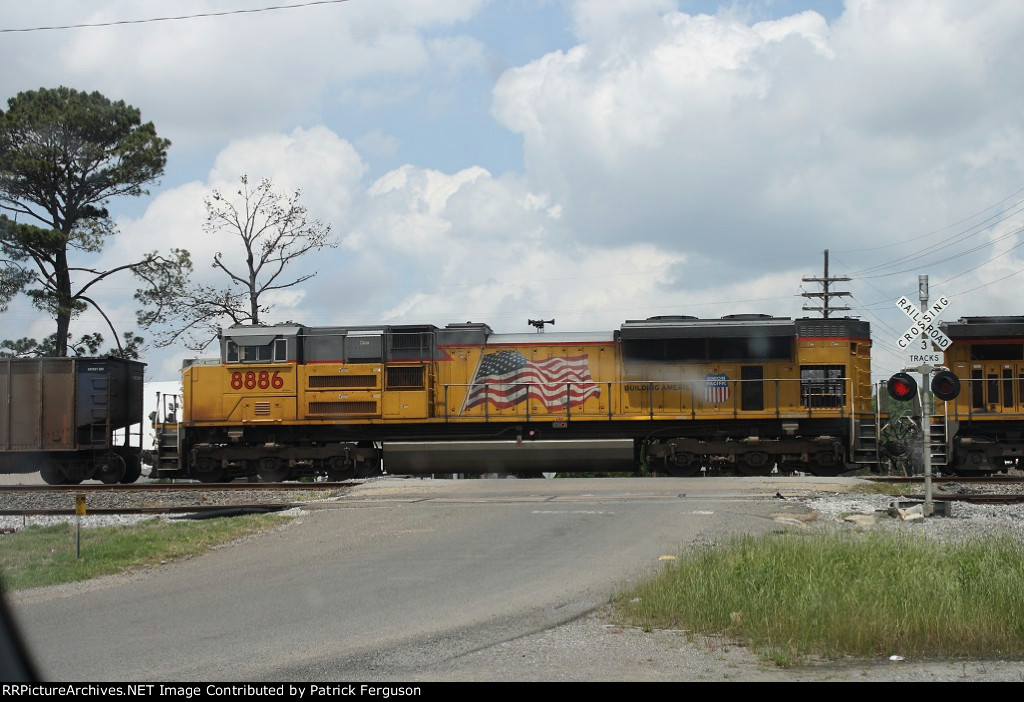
902, 387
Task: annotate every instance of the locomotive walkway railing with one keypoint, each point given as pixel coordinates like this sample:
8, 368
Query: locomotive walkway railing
778, 398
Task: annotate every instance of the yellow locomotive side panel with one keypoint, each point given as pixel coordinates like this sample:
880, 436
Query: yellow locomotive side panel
836, 367
993, 386
407, 391
404, 405
710, 390
336, 391
535, 381
239, 393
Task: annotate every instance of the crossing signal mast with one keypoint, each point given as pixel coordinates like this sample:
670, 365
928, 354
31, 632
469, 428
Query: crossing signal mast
944, 384
826, 293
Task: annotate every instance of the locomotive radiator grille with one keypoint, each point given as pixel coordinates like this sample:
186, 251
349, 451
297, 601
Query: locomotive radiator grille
343, 381
261, 409
343, 408
405, 378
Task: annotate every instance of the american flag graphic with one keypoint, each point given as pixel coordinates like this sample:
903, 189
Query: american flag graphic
507, 378
716, 387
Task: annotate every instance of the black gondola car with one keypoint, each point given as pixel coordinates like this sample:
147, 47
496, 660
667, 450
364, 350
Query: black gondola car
72, 419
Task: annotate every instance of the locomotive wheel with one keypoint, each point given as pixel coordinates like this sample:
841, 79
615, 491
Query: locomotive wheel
273, 470
369, 468
685, 465
207, 471
339, 468
824, 465
754, 464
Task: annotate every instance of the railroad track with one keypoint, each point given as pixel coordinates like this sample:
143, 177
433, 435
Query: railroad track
162, 499
967, 480
981, 490
177, 487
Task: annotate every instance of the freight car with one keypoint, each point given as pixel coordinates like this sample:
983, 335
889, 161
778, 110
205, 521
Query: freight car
750, 393
71, 419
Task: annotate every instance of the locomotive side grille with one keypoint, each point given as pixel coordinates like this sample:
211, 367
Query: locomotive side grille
405, 378
261, 409
342, 408
342, 381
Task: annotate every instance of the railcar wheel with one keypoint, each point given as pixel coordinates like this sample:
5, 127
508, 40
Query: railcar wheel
753, 464
273, 470
52, 475
112, 469
133, 470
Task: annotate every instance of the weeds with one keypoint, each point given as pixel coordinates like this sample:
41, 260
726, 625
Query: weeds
866, 595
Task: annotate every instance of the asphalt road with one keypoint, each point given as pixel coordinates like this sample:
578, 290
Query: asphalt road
419, 580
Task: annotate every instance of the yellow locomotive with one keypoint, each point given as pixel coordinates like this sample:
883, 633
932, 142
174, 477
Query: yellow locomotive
985, 423
680, 394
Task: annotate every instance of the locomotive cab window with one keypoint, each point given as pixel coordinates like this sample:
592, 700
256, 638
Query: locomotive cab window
822, 386
276, 352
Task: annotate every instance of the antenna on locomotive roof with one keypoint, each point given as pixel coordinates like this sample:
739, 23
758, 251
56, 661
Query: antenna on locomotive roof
539, 323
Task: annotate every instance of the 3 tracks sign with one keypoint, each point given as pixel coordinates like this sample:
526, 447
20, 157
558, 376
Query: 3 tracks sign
924, 332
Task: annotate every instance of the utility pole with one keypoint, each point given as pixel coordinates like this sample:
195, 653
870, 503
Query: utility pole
826, 294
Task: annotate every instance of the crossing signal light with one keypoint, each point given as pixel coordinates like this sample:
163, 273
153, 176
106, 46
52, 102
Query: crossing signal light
902, 387
945, 385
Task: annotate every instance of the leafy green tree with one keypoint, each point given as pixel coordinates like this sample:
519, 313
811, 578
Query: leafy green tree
63, 155
264, 231
87, 345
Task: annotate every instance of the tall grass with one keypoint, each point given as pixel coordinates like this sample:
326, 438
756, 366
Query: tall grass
790, 595
39, 556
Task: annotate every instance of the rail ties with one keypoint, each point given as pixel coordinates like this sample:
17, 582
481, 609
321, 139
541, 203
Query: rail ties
980, 490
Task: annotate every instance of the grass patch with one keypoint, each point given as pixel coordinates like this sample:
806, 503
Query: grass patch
39, 555
789, 596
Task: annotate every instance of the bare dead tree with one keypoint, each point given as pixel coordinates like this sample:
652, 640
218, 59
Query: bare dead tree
274, 230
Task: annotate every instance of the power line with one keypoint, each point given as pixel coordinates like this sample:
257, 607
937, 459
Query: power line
175, 18
948, 226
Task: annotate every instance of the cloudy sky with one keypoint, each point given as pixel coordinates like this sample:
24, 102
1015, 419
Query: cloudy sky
589, 161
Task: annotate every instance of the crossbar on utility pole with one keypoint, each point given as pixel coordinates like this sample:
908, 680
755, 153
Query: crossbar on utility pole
826, 294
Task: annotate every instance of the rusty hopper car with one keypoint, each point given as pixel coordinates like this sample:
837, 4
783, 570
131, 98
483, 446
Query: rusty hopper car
71, 419
746, 393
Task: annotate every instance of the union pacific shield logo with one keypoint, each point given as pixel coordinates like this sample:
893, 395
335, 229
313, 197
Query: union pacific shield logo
716, 388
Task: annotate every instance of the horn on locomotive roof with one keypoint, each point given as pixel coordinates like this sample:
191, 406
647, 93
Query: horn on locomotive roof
539, 323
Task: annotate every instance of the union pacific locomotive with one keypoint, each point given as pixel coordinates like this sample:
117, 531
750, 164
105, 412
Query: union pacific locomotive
746, 392
985, 424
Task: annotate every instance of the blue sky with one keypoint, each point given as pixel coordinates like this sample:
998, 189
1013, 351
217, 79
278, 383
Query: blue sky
589, 161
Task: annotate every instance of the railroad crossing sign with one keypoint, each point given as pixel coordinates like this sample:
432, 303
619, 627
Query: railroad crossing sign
925, 328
